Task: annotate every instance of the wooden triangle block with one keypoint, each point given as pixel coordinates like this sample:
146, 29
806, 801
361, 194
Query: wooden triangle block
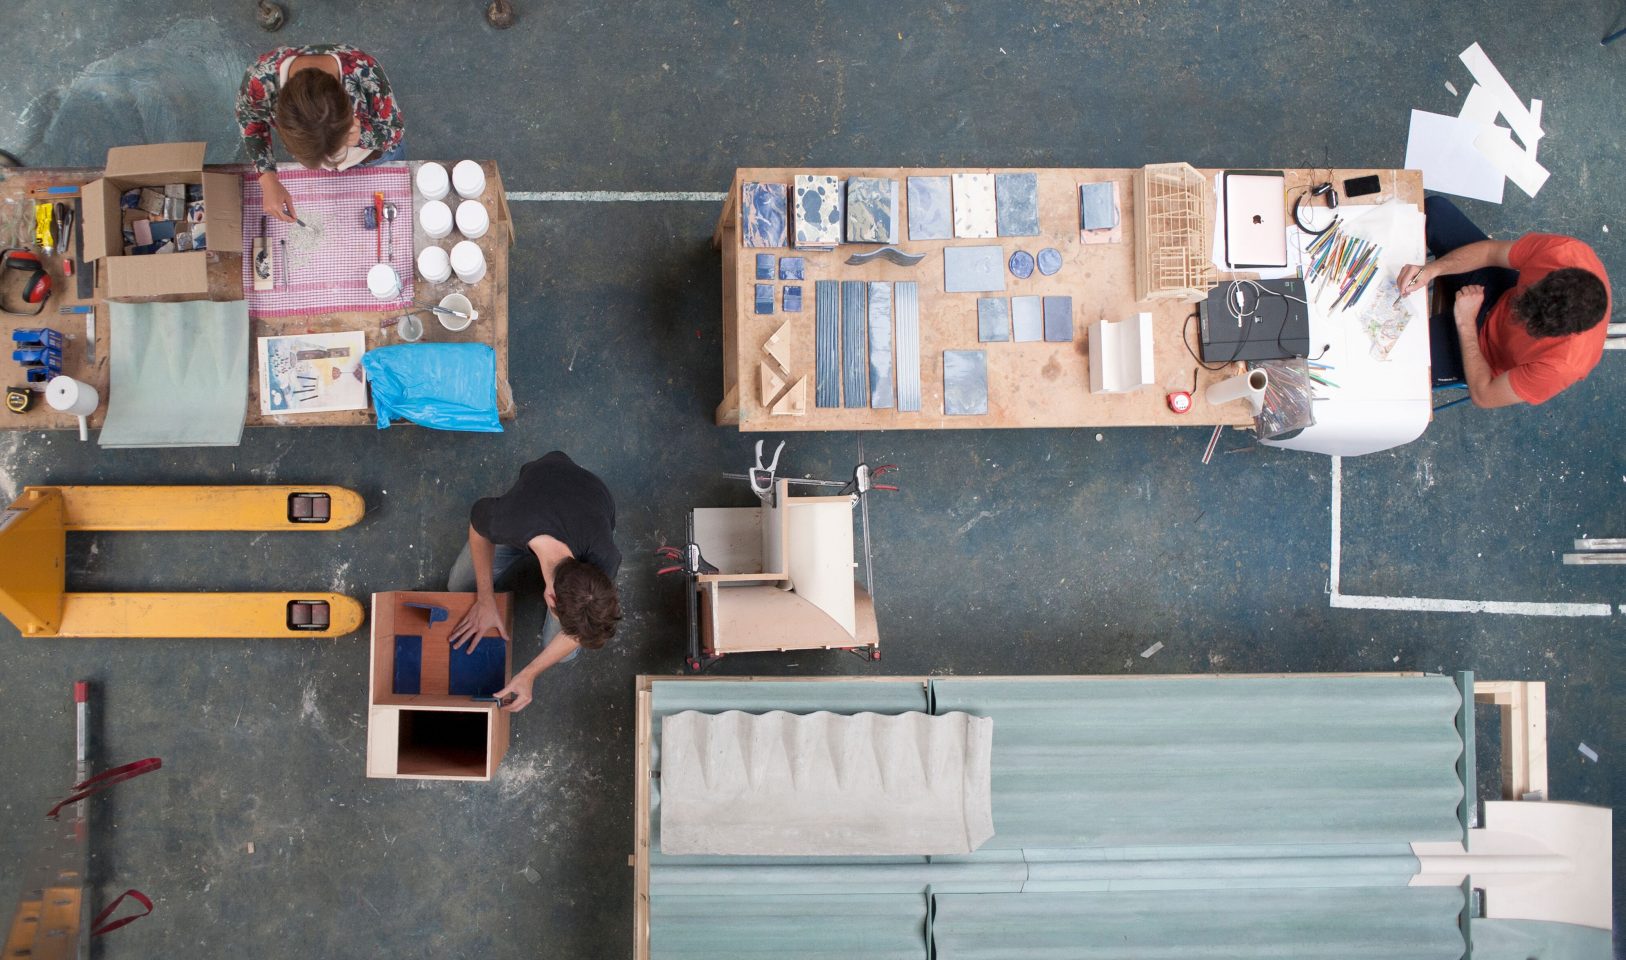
778, 346
772, 382
794, 402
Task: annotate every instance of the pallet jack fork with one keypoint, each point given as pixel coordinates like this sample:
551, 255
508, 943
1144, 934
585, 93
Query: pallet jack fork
33, 569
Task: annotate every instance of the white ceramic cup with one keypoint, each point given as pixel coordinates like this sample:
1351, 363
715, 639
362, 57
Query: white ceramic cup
472, 219
409, 328
435, 218
434, 264
384, 282
433, 181
469, 262
460, 303
468, 179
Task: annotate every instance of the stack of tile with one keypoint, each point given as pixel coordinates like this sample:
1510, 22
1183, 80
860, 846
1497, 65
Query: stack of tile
818, 212
872, 210
762, 214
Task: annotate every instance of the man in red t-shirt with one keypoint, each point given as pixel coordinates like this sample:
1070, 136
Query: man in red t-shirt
1528, 315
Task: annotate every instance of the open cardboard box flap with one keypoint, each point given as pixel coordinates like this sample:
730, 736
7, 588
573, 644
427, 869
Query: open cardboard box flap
161, 161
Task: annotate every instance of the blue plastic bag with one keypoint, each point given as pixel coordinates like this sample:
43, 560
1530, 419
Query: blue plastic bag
446, 386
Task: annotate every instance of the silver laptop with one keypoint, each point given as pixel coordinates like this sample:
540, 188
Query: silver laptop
1255, 218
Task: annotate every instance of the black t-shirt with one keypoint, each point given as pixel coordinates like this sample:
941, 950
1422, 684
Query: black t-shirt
554, 496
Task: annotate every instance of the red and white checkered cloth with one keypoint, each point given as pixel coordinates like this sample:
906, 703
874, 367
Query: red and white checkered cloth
334, 277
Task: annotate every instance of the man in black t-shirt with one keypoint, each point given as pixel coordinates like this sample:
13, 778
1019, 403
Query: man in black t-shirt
563, 518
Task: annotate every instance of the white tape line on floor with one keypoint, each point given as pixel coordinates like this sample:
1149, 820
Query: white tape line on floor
611, 196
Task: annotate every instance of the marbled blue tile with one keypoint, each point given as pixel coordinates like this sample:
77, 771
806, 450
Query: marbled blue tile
765, 266
762, 214
880, 345
973, 269
993, 319
965, 382
1027, 319
764, 298
826, 343
872, 210
793, 299
906, 309
792, 268
931, 208
1058, 319
1017, 198
819, 204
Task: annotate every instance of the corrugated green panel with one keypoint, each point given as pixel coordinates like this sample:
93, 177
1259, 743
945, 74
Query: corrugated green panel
787, 928
1218, 761
1416, 923
179, 376
676, 876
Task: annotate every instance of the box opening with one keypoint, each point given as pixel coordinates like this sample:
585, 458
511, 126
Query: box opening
443, 743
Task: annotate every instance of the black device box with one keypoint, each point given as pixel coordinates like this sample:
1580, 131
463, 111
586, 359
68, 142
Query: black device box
1255, 320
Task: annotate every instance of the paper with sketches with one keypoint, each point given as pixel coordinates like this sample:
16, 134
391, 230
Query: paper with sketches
1384, 315
312, 373
1443, 148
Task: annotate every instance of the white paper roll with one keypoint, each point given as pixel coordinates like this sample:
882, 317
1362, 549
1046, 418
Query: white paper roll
74, 398
433, 181
1248, 386
469, 262
468, 180
435, 217
472, 219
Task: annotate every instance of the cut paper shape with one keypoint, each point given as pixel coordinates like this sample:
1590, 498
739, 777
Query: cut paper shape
1490, 97
1444, 149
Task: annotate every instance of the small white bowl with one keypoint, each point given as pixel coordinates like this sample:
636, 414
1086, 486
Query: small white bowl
468, 180
472, 219
433, 181
435, 217
460, 303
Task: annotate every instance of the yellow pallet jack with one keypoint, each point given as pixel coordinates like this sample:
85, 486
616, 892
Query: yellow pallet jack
33, 571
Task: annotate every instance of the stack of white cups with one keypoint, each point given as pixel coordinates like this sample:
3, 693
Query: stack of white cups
436, 220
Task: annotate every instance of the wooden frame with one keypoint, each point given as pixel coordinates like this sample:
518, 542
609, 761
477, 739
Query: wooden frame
1522, 702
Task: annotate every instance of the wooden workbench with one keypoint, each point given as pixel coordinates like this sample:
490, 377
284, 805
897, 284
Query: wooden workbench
489, 296
1029, 384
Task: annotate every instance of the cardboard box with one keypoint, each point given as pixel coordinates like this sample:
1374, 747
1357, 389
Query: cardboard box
433, 735
175, 276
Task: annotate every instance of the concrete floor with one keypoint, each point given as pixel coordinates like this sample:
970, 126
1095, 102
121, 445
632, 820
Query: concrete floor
1015, 552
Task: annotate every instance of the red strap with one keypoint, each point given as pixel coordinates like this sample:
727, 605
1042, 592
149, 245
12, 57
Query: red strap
105, 779
96, 926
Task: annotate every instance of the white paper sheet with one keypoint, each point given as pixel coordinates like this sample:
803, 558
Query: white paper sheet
1443, 148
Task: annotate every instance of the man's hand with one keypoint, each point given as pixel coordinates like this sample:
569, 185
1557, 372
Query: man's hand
276, 198
520, 688
1466, 308
1412, 279
482, 619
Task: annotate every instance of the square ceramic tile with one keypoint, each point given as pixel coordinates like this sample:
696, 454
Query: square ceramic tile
764, 298
818, 209
1017, 196
1027, 319
872, 210
1058, 319
993, 319
931, 209
973, 269
793, 299
765, 262
791, 268
965, 382
762, 214
974, 205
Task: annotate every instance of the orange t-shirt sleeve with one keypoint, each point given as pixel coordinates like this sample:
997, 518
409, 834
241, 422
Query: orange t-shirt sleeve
1539, 381
1545, 252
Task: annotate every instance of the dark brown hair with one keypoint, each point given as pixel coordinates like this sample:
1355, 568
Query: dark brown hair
586, 603
314, 116
1561, 303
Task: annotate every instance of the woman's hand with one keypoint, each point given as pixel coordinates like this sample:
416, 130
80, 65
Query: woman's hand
277, 203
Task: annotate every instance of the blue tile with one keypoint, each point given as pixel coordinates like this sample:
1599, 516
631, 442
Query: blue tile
880, 345
790, 268
973, 269
826, 343
764, 298
931, 209
906, 310
478, 672
993, 319
765, 266
1027, 319
965, 382
1097, 208
872, 210
762, 214
793, 300
1058, 319
408, 673
854, 345
1017, 200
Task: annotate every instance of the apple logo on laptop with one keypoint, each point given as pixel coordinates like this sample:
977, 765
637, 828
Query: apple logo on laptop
1258, 219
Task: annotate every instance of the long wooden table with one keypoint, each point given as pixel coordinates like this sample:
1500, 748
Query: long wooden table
1029, 384
489, 296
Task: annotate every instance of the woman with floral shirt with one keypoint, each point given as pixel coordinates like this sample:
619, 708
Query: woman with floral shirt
330, 103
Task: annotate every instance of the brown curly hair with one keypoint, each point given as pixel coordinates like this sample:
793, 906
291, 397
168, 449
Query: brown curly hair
1561, 303
314, 116
586, 603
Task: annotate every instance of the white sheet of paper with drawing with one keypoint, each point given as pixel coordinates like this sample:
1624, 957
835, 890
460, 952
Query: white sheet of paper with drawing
1444, 149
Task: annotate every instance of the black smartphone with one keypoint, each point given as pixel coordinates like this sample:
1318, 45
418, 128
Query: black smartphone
1361, 186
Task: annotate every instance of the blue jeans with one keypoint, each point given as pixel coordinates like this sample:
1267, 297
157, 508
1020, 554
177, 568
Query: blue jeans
397, 152
507, 563
1449, 229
